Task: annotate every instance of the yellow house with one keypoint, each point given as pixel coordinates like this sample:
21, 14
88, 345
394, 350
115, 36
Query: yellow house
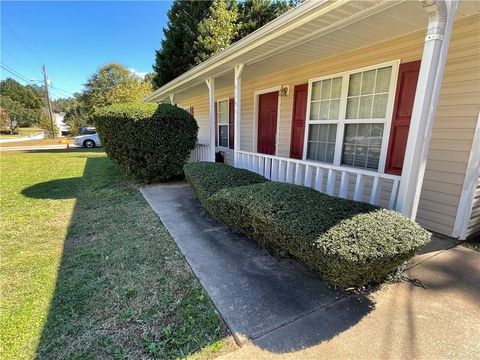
376, 101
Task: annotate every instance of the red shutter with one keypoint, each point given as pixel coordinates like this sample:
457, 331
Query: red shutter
216, 124
402, 114
299, 114
231, 124
191, 111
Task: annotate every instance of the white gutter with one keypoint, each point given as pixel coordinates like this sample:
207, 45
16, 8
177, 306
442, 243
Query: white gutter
440, 23
264, 34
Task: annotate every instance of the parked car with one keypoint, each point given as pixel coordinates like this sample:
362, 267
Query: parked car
88, 141
87, 131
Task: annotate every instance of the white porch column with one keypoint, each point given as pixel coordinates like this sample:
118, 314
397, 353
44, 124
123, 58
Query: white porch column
211, 101
172, 99
440, 23
237, 104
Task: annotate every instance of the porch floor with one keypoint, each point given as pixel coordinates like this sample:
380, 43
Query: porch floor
280, 306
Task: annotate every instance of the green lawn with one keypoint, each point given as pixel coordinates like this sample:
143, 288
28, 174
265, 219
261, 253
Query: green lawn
22, 132
88, 271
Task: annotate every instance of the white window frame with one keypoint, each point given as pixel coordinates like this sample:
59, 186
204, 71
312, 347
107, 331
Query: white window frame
227, 124
342, 121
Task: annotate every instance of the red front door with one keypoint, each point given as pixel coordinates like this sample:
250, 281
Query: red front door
267, 123
402, 114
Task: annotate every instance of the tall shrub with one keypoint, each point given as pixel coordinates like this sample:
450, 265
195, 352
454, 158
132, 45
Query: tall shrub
152, 143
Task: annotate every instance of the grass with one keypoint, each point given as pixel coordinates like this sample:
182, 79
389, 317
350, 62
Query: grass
473, 243
88, 271
21, 132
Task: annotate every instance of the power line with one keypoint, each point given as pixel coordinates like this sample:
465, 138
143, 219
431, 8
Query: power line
16, 74
63, 91
18, 61
22, 42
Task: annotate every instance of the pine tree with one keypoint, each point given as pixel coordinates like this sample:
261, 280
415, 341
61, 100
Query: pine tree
253, 14
177, 54
217, 31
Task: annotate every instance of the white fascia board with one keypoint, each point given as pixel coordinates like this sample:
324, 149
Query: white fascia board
273, 29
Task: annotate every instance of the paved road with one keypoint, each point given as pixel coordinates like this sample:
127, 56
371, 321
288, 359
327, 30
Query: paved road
38, 147
36, 136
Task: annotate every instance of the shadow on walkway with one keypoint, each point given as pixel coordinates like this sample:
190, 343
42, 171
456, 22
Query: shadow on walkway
278, 303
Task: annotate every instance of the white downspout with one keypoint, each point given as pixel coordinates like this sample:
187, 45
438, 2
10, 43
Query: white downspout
440, 23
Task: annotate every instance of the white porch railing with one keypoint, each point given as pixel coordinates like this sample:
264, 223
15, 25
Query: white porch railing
201, 152
344, 182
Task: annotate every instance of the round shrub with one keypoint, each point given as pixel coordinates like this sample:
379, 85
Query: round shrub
148, 141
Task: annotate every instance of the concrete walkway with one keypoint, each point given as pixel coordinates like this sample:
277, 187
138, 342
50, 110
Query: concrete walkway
278, 307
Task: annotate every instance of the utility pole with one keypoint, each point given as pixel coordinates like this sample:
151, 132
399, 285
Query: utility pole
45, 79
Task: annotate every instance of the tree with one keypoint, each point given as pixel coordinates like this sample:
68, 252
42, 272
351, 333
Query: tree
46, 125
18, 114
177, 54
113, 84
253, 14
24, 95
4, 120
217, 31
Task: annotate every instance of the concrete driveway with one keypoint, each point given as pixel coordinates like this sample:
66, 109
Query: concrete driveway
278, 308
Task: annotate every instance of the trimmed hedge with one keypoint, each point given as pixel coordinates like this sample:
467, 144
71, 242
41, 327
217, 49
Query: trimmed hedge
207, 178
348, 243
148, 141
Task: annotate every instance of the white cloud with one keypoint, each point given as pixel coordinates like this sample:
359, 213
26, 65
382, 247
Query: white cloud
140, 74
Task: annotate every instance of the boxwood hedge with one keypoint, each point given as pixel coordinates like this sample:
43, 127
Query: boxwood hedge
349, 243
207, 178
149, 141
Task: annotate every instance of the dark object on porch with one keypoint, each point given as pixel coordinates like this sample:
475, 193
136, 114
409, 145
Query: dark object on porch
349, 243
148, 141
219, 157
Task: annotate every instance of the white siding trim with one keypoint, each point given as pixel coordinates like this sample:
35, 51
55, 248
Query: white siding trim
472, 175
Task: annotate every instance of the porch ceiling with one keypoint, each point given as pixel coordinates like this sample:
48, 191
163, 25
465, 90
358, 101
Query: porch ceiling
318, 30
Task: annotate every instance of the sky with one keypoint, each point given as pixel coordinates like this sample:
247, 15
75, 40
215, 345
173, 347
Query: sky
73, 39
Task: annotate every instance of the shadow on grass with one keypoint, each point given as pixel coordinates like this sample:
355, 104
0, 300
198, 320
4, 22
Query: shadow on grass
123, 289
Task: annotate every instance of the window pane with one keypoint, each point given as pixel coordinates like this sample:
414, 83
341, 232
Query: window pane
376, 134
360, 156
321, 142
352, 108
334, 109
324, 105
223, 135
383, 79
354, 84
365, 109
363, 133
373, 158
326, 86
368, 82
336, 87
362, 145
316, 86
223, 112
348, 151
380, 106
223, 106
314, 110
332, 133
330, 153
